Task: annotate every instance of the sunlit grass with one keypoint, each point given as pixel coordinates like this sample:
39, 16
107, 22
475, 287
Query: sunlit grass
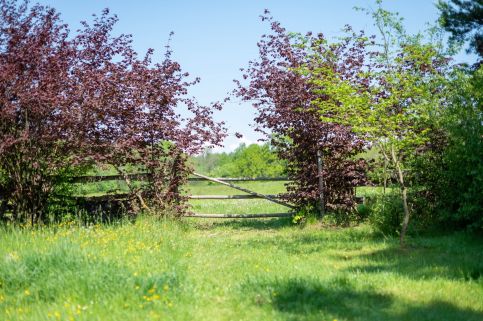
232, 206
259, 269
235, 270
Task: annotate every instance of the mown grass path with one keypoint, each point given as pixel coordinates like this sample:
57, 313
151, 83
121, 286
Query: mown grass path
236, 270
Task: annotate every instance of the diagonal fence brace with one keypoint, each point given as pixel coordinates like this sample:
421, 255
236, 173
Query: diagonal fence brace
268, 198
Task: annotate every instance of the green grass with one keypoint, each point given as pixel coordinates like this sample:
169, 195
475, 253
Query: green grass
374, 190
210, 188
266, 269
235, 270
249, 206
243, 206
100, 188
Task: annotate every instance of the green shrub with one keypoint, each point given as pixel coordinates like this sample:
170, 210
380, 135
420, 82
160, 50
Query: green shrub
463, 157
449, 172
307, 214
363, 211
385, 213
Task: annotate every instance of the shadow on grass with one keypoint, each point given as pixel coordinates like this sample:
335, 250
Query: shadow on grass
464, 261
454, 257
310, 299
308, 243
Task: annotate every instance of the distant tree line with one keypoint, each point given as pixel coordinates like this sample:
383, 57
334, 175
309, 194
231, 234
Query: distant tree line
252, 160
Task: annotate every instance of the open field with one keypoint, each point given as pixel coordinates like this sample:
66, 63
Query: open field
230, 206
244, 206
235, 270
233, 206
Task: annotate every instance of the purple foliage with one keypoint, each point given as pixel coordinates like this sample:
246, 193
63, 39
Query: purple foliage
71, 100
283, 100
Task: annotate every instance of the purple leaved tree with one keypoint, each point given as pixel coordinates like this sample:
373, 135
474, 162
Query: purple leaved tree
68, 101
283, 100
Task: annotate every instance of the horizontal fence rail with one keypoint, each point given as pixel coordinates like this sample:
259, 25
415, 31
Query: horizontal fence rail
103, 178
228, 197
120, 196
116, 195
242, 179
145, 176
241, 215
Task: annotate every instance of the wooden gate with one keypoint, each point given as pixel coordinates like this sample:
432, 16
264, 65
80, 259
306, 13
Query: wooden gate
251, 195
198, 177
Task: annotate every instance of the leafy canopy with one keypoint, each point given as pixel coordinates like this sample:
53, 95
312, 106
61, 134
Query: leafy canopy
464, 20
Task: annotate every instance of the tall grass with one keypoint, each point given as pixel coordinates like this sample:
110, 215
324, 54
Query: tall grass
266, 269
235, 270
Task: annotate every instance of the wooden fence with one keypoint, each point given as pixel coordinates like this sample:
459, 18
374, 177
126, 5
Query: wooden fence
145, 176
199, 177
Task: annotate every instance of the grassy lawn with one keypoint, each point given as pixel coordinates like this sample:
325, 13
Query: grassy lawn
235, 270
265, 269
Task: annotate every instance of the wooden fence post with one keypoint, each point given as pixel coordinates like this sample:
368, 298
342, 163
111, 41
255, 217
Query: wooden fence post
320, 172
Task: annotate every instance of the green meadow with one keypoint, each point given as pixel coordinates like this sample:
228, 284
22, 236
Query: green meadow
97, 141
245, 269
264, 269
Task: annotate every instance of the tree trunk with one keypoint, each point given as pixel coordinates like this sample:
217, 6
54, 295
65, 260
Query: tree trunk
406, 214
135, 191
3, 209
404, 192
320, 170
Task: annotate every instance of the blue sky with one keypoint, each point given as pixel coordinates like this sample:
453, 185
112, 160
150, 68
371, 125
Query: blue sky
214, 39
